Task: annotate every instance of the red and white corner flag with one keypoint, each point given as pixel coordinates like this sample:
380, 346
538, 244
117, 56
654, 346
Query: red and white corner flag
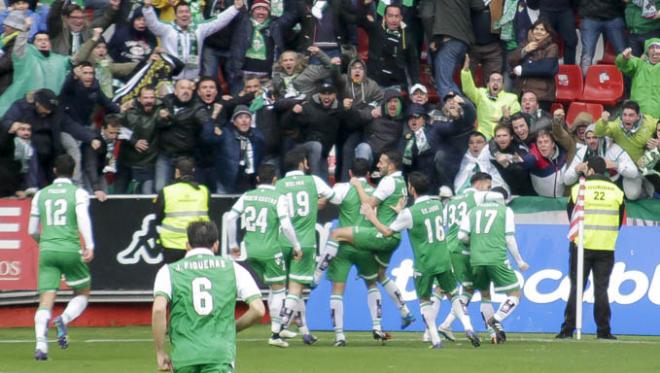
577, 217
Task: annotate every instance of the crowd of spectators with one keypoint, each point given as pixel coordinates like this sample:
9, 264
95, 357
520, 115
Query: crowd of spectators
128, 86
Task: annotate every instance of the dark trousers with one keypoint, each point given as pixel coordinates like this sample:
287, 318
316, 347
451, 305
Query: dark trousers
564, 23
600, 263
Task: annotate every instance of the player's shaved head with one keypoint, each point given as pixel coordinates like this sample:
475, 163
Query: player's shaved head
360, 167
419, 182
266, 173
64, 166
202, 234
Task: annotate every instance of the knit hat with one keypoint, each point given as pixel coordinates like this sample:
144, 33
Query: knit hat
16, 20
240, 109
261, 3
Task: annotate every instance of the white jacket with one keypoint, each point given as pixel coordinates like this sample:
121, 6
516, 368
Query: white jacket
612, 152
168, 35
468, 165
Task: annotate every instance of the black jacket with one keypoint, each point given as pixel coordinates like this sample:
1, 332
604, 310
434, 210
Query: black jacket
94, 161
79, 101
389, 63
385, 133
316, 123
603, 10
144, 127
516, 177
179, 133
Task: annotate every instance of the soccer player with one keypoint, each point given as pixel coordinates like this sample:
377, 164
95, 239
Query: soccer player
263, 211
389, 191
201, 290
490, 229
61, 209
456, 210
423, 220
339, 259
305, 194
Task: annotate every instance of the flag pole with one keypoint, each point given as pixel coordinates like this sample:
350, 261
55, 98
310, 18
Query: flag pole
579, 276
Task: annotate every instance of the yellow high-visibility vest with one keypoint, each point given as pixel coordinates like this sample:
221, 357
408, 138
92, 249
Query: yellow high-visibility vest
602, 201
183, 205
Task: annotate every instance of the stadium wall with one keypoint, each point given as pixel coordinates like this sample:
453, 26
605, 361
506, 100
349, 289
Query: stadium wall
127, 260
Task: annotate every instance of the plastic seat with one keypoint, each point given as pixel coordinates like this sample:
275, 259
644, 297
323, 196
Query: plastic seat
609, 55
568, 83
578, 107
603, 85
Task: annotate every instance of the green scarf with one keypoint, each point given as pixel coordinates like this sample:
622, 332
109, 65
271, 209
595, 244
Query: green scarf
508, 34
104, 76
276, 8
191, 45
257, 104
257, 49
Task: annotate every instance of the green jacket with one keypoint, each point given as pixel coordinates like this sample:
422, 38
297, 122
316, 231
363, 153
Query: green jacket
637, 24
645, 80
633, 142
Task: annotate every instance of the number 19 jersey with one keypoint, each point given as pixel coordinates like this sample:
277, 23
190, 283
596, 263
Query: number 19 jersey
302, 193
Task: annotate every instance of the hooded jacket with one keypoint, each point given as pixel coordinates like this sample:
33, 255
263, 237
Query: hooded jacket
130, 45
386, 132
364, 95
304, 82
546, 173
632, 141
645, 80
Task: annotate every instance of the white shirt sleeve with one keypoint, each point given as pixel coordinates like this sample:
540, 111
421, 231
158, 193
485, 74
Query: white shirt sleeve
479, 197
218, 23
154, 25
246, 287
510, 222
464, 229
239, 206
385, 188
33, 227
163, 282
285, 221
340, 192
323, 190
403, 221
82, 215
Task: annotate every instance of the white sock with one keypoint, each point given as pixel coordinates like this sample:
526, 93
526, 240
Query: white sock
329, 253
301, 317
337, 315
429, 319
506, 308
436, 303
41, 318
290, 304
487, 311
375, 302
275, 304
458, 307
74, 308
394, 293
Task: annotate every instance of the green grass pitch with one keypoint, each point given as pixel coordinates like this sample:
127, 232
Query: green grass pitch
130, 349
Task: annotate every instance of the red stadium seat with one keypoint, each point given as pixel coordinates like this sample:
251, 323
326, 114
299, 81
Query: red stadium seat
568, 83
609, 55
578, 107
555, 106
603, 85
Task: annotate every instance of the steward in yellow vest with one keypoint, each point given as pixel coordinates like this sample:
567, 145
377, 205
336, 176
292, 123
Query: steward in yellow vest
603, 216
178, 205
